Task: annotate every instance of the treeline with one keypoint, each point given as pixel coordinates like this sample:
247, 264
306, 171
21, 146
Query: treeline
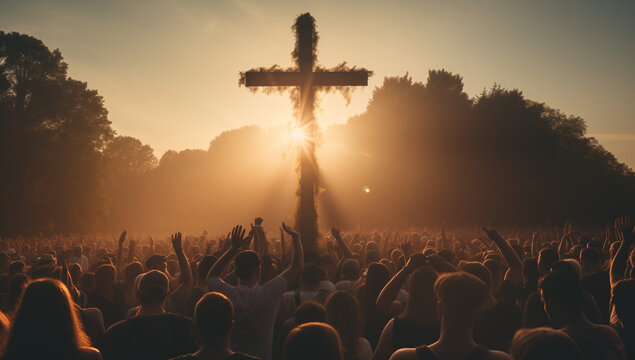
419, 154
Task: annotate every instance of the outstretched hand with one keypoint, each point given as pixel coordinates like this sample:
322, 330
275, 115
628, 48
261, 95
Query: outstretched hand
336, 233
122, 237
493, 234
237, 237
623, 228
176, 242
289, 230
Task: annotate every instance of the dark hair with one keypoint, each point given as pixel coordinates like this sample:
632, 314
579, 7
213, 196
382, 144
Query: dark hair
421, 307
46, 325
131, 271
247, 262
313, 341
530, 268
623, 299
309, 311
214, 316
591, 256
543, 343
312, 275
343, 314
350, 269
105, 275
563, 286
16, 267
205, 265
17, 284
462, 294
477, 269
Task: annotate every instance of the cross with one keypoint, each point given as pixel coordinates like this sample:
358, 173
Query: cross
307, 78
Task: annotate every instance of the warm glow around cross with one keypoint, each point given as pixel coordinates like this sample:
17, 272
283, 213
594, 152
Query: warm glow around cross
297, 135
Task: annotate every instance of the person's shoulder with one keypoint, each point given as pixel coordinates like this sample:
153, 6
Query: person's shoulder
405, 354
184, 357
89, 353
117, 327
177, 318
497, 355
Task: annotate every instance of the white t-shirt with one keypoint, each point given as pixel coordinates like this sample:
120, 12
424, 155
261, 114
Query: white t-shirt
255, 314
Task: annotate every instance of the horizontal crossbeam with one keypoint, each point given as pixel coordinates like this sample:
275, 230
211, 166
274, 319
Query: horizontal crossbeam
283, 78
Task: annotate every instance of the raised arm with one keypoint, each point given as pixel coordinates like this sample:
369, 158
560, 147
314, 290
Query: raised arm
297, 260
513, 261
534, 245
237, 241
122, 238
390, 291
184, 265
346, 251
624, 232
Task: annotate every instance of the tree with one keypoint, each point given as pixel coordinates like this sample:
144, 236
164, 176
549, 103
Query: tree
53, 130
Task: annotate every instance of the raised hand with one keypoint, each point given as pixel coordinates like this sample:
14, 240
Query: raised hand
290, 231
122, 237
237, 237
493, 234
177, 242
336, 233
416, 261
623, 228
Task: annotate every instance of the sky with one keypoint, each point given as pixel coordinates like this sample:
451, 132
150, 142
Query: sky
168, 69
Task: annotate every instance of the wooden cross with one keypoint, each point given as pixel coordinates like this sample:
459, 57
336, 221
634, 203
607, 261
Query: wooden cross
308, 79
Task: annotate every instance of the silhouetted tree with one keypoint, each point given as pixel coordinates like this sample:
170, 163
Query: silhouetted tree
52, 132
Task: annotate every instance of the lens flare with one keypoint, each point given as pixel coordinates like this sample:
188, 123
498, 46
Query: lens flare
297, 135
366, 189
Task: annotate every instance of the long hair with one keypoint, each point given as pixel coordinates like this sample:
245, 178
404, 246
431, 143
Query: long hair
343, 314
421, 308
46, 324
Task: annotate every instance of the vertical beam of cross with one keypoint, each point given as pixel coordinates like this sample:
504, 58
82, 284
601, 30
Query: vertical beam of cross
308, 80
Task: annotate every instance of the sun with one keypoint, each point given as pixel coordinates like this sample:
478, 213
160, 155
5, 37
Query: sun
297, 135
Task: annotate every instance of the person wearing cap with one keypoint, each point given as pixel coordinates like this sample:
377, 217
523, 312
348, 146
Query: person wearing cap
214, 318
255, 304
153, 333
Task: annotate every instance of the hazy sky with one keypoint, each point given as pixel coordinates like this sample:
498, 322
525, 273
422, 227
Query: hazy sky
168, 69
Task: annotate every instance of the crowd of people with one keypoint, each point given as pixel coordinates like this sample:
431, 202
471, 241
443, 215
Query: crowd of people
436, 294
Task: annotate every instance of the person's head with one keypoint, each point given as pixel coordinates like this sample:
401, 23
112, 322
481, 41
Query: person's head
152, 288
77, 251
343, 314
131, 271
460, 298
530, 270
546, 257
16, 267
105, 276
562, 296
569, 265
448, 256
421, 307
214, 318
17, 284
311, 277
313, 341
46, 325
377, 276
203, 267
157, 262
477, 269
75, 270
590, 260
623, 299
247, 267
87, 282
350, 269
309, 311
543, 344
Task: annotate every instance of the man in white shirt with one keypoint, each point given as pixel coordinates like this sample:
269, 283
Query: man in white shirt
255, 305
